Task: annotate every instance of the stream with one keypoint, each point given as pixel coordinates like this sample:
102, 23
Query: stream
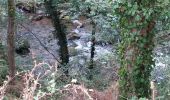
79, 45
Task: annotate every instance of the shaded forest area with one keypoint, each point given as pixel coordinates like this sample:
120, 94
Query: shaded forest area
84, 50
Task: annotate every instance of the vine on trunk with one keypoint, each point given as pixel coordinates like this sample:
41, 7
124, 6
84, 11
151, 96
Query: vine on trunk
137, 19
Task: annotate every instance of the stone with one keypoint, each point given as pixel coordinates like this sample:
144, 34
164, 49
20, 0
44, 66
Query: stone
37, 17
73, 36
78, 24
72, 44
25, 7
76, 31
72, 51
79, 45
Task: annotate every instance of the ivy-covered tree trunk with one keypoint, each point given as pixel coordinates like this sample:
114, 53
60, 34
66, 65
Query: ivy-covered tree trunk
59, 32
135, 50
10, 38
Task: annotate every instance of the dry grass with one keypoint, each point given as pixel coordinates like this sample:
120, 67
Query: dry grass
3, 88
31, 83
80, 92
25, 88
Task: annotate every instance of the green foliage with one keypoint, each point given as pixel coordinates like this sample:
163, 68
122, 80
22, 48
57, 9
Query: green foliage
103, 73
3, 65
90, 7
135, 98
98, 11
3, 71
52, 83
3, 14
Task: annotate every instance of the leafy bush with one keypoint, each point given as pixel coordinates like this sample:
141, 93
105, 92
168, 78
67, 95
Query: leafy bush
3, 70
98, 11
3, 14
104, 71
3, 64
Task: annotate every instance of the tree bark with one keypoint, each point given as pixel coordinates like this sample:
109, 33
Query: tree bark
136, 61
10, 38
135, 52
92, 45
59, 33
92, 53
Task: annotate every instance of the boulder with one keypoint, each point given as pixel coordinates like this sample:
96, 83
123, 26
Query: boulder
78, 24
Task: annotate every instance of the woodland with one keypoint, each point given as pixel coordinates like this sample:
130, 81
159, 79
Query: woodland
84, 49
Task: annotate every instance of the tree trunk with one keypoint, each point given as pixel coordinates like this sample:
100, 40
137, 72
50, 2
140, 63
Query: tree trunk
10, 38
92, 50
136, 61
93, 44
135, 51
59, 33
